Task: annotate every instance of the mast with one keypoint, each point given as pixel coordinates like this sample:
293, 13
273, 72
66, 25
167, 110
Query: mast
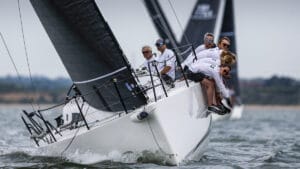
161, 23
90, 53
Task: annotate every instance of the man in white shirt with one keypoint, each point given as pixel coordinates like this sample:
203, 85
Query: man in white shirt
166, 62
208, 40
208, 44
149, 58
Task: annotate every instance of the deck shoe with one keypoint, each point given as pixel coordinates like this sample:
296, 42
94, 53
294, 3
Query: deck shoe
226, 103
214, 109
223, 109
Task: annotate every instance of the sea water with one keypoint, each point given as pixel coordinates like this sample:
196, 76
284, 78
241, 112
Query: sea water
265, 137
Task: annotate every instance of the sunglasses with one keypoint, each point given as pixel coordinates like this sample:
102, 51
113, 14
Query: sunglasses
225, 45
226, 72
209, 41
144, 52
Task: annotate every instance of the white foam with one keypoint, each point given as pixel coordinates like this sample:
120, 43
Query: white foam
88, 158
92, 158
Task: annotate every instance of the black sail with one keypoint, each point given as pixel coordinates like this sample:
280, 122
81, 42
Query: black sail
203, 19
90, 53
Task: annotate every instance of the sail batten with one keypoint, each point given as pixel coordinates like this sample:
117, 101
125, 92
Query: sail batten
89, 51
101, 77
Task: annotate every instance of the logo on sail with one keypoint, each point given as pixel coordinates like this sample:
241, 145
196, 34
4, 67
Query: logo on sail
203, 12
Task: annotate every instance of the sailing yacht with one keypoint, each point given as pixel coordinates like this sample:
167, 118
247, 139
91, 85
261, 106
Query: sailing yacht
110, 107
207, 16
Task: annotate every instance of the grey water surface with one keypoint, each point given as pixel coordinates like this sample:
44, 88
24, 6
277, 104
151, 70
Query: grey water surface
265, 137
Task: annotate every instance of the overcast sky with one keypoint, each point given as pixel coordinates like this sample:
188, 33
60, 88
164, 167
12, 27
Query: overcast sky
267, 35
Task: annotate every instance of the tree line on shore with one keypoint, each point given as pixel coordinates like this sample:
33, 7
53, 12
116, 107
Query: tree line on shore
38, 89
269, 91
274, 90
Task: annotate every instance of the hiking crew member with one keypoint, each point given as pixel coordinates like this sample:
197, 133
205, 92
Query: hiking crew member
224, 43
215, 72
208, 40
208, 44
209, 87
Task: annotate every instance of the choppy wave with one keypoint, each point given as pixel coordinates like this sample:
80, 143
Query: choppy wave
114, 159
261, 139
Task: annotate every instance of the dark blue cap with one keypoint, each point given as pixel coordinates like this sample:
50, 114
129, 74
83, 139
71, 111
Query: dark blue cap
159, 43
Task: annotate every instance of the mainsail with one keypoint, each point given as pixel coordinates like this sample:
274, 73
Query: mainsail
90, 53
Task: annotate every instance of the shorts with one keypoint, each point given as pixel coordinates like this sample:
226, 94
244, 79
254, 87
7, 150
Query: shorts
196, 77
167, 79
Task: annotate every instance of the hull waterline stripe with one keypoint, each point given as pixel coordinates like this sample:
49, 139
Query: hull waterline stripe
101, 77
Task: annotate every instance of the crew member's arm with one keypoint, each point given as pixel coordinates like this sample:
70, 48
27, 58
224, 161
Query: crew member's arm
165, 70
170, 62
219, 82
190, 59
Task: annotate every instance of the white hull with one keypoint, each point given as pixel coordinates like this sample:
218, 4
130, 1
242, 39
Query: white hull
177, 128
235, 114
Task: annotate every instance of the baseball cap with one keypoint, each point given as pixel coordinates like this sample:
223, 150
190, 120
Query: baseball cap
159, 43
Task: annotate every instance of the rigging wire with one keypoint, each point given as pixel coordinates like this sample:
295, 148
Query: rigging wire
26, 53
14, 64
167, 31
10, 56
76, 132
164, 25
177, 19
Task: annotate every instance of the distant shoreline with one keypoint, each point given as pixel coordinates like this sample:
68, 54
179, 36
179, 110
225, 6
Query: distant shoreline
25, 106
285, 107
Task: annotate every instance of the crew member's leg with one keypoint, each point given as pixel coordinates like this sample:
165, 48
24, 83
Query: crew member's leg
209, 88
